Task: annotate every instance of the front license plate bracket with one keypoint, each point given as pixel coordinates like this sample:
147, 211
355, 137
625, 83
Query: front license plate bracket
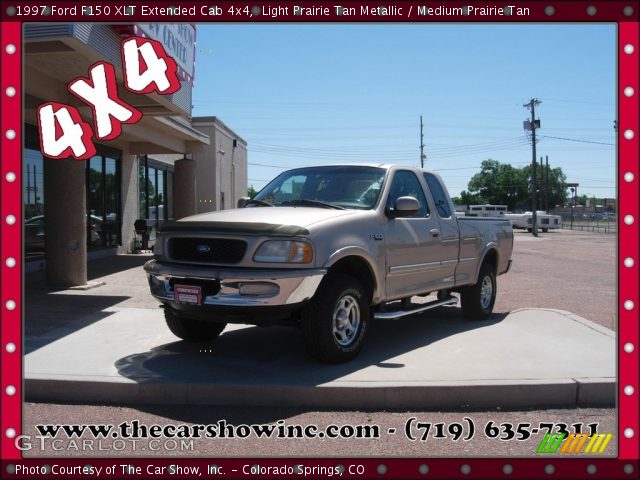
188, 294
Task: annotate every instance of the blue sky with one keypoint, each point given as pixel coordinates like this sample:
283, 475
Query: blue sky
306, 94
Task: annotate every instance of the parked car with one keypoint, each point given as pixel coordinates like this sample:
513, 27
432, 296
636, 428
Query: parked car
34, 232
328, 249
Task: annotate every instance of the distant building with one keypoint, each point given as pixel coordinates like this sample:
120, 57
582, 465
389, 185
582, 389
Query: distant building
218, 169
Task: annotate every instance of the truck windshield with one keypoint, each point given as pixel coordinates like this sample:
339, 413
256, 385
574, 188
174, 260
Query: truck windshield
338, 186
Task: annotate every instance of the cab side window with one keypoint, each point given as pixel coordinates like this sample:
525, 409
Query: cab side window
404, 184
439, 195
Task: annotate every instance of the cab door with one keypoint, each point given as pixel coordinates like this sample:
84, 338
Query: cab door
449, 230
413, 244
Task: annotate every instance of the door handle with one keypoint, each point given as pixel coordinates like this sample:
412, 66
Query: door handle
434, 232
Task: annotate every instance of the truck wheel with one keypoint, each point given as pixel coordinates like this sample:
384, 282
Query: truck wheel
335, 322
478, 299
191, 330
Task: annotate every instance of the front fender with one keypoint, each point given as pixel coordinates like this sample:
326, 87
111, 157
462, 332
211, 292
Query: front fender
375, 265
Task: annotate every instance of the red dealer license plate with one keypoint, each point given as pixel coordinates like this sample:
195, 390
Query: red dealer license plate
191, 294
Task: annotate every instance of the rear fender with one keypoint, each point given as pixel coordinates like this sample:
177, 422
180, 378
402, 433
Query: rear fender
490, 253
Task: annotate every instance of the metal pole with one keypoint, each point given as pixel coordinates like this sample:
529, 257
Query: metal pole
422, 155
535, 186
546, 190
542, 186
572, 202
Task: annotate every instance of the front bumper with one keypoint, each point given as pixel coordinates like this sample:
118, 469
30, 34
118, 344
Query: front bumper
237, 287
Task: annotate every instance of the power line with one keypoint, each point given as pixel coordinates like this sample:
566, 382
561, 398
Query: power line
394, 153
580, 101
576, 140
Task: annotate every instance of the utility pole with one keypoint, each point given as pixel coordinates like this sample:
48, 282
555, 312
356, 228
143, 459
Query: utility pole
422, 155
532, 125
546, 189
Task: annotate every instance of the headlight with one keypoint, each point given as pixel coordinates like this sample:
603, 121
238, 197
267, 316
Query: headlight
284, 251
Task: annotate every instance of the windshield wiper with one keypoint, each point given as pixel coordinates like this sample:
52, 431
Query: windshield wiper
255, 201
314, 203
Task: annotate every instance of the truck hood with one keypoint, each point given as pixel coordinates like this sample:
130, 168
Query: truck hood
287, 221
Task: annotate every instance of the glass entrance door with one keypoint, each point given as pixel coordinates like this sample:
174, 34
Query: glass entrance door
103, 202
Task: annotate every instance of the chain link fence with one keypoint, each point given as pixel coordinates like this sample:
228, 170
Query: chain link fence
588, 222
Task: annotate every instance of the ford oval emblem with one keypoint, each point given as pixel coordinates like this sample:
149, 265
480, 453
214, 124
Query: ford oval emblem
203, 248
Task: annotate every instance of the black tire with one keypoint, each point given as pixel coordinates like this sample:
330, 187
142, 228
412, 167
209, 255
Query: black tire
336, 320
545, 230
191, 330
478, 299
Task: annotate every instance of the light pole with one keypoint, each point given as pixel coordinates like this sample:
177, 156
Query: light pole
573, 187
572, 202
219, 194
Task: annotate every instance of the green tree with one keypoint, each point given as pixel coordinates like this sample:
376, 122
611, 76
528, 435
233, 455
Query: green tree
251, 191
467, 198
558, 193
502, 184
499, 184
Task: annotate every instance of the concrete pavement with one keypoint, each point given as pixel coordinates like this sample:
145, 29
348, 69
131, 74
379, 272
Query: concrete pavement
122, 354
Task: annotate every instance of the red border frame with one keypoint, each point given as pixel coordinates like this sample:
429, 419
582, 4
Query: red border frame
628, 194
628, 237
11, 194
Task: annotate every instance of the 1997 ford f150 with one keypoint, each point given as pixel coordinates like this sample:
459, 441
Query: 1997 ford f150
328, 249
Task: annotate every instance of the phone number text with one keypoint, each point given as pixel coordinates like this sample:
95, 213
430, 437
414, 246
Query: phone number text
417, 430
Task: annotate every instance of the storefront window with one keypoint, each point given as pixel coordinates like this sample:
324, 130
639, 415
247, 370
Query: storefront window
157, 211
154, 186
95, 194
142, 187
104, 222
33, 199
103, 202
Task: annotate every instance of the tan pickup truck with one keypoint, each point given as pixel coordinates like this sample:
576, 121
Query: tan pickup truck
328, 249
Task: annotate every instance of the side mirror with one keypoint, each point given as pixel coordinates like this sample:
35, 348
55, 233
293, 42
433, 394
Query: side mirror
242, 201
404, 207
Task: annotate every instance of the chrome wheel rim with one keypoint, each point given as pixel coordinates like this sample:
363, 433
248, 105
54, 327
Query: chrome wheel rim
346, 320
486, 292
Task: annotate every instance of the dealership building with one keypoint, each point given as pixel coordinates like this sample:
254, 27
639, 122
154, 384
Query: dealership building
164, 167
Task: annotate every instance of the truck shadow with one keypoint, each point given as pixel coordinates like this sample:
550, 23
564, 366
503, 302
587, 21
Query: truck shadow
276, 356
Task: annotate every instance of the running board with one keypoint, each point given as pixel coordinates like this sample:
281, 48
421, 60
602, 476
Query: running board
403, 313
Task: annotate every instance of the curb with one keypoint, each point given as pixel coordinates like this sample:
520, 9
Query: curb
486, 394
